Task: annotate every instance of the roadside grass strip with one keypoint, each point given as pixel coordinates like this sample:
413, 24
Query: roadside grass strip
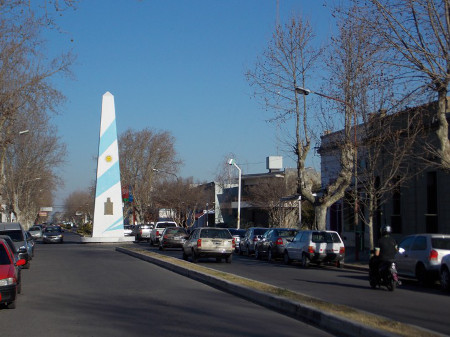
297, 305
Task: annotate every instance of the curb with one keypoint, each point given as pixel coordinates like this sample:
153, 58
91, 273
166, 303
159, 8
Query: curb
330, 322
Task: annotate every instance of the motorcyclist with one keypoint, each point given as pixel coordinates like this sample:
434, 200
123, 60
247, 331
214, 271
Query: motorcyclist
385, 251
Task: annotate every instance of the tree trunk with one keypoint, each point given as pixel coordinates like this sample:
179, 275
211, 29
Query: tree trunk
321, 217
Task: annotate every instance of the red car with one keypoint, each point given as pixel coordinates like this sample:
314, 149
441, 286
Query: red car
9, 275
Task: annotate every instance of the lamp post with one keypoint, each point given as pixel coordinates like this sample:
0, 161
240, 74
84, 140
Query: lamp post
166, 172
233, 162
305, 92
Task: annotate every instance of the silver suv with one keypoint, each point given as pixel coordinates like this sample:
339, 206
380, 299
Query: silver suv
314, 246
420, 256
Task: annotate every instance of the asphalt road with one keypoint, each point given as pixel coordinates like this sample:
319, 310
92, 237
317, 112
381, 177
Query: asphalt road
91, 290
411, 303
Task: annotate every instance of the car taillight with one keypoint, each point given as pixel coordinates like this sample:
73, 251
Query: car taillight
433, 255
233, 244
279, 241
157, 233
199, 243
310, 249
140, 231
166, 236
342, 250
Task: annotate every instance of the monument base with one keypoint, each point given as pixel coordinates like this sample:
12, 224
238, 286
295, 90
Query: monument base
122, 239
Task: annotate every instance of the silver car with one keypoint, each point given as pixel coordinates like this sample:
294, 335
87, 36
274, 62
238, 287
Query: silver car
445, 273
36, 232
420, 256
209, 242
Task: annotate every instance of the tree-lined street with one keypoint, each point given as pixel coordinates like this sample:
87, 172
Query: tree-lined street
92, 290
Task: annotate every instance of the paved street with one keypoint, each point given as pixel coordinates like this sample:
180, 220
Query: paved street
410, 303
92, 290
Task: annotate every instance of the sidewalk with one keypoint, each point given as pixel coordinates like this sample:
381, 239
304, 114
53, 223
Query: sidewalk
355, 261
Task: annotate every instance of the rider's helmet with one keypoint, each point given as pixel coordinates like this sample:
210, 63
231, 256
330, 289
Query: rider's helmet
386, 230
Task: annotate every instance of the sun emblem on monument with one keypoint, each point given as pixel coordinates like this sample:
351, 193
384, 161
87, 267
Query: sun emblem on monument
108, 158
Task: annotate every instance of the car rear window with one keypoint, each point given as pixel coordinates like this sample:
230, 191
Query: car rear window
441, 243
166, 224
15, 235
215, 234
325, 237
260, 231
35, 228
287, 233
175, 231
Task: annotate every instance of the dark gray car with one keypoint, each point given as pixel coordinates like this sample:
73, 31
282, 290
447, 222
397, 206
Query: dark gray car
17, 234
252, 236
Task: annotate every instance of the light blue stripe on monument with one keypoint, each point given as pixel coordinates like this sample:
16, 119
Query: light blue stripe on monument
116, 225
108, 137
108, 179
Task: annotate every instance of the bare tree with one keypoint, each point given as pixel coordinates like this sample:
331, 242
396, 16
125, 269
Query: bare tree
269, 195
416, 38
145, 157
30, 168
25, 74
79, 206
286, 65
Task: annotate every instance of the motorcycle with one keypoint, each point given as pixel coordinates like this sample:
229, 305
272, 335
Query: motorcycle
386, 275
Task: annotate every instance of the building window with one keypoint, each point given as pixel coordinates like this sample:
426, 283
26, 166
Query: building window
431, 219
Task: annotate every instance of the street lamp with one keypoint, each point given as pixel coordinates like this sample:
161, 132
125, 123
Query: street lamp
166, 172
304, 91
233, 162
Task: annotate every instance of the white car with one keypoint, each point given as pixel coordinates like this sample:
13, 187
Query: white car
445, 273
317, 247
420, 256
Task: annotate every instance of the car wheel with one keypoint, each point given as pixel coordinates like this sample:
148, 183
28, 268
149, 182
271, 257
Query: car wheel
229, 258
194, 257
240, 251
257, 254
11, 305
305, 261
19, 288
445, 279
161, 247
286, 258
421, 275
269, 255
339, 264
247, 251
185, 257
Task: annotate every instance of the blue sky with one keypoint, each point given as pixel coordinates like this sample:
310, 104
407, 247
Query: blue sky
172, 65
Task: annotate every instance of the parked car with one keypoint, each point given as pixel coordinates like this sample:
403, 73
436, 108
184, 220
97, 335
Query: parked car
420, 256
158, 229
252, 235
9, 275
209, 242
142, 232
273, 242
36, 232
17, 234
53, 234
238, 235
444, 273
173, 237
10, 243
30, 243
128, 230
317, 247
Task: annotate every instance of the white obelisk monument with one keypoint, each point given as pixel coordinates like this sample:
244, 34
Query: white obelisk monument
108, 213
